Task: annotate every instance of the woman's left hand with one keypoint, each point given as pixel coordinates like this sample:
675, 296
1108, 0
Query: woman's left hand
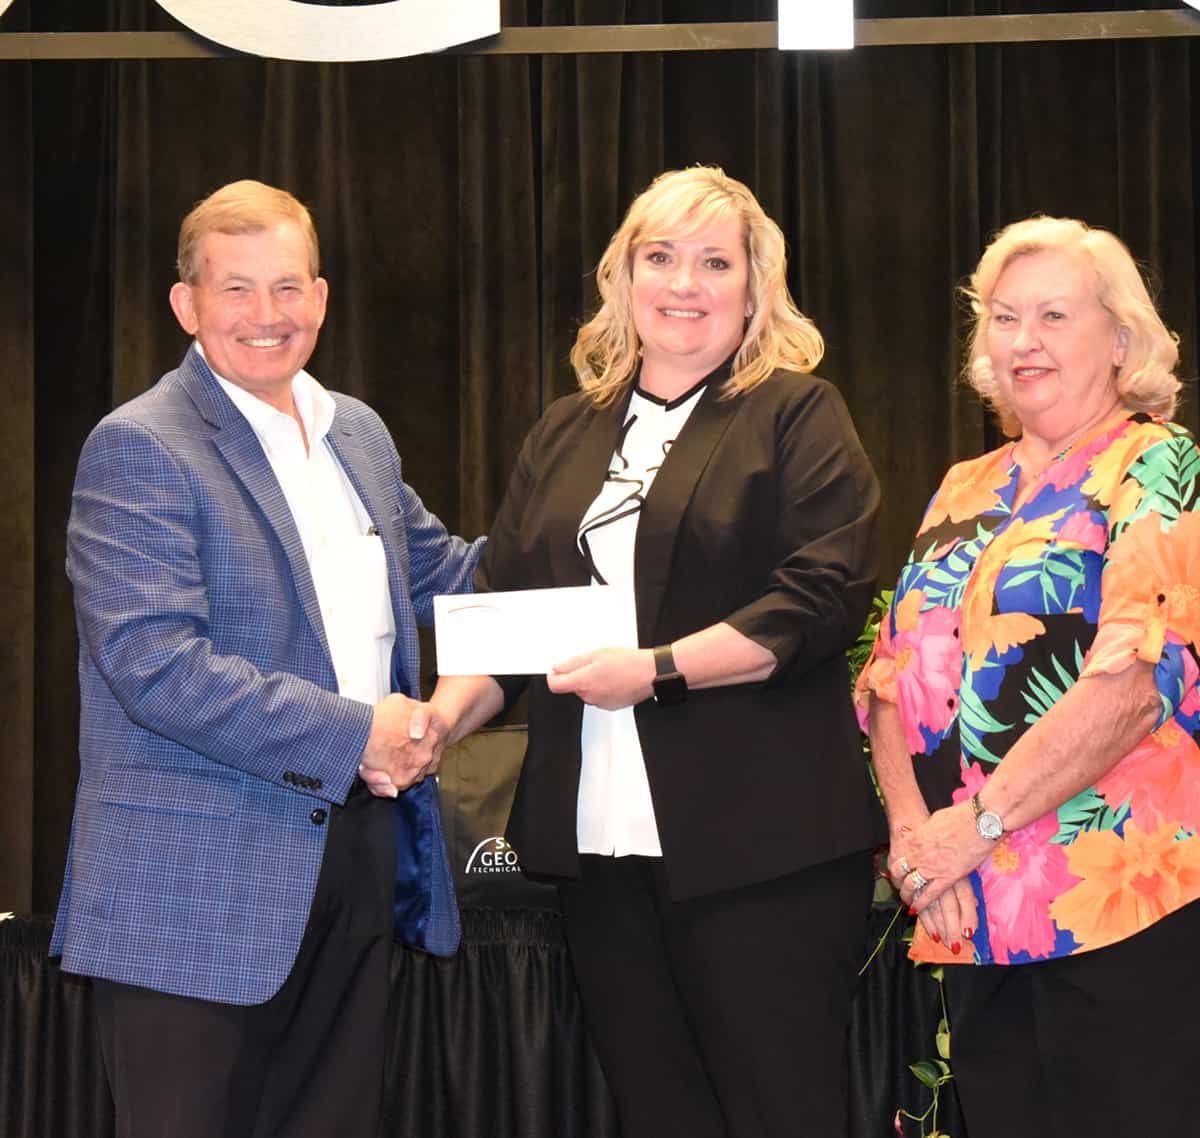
942, 851
610, 678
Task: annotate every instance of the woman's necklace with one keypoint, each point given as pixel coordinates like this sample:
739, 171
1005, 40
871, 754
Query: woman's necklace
1036, 473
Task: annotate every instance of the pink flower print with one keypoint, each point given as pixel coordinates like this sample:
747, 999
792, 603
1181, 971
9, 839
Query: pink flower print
1082, 530
928, 667
1074, 467
1160, 778
1022, 875
974, 780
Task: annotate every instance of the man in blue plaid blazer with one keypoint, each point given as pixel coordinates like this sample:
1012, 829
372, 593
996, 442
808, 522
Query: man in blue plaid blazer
249, 571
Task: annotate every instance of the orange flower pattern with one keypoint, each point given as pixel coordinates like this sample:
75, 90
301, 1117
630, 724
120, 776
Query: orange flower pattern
993, 619
1154, 582
968, 490
1129, 880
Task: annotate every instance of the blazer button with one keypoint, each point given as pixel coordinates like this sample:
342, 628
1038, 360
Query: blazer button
318, 817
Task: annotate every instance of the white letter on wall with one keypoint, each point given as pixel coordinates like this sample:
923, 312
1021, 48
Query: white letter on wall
286, 29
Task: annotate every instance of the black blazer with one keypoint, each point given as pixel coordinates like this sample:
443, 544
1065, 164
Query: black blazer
762, 515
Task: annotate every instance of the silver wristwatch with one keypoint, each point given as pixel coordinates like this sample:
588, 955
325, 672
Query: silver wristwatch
989, 824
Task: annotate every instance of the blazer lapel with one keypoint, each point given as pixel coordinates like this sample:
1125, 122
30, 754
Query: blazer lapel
583, 471
668, 499
240, 448
362, 474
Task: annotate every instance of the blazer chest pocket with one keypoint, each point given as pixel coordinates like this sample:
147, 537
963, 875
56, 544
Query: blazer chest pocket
175, 792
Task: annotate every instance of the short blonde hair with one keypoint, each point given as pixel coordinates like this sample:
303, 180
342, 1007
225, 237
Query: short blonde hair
1146, 379
239, 208
677, 203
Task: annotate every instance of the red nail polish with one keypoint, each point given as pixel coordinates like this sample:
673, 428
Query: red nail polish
956, 948
937, 938
911, 911
968, 932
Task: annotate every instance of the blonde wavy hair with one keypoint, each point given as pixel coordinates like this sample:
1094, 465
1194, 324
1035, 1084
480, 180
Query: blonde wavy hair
1146, 379
237, 209
676, 204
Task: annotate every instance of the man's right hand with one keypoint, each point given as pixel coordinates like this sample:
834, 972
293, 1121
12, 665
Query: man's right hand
405, 745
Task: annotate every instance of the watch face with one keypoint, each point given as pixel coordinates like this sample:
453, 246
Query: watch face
670, 689
990, 825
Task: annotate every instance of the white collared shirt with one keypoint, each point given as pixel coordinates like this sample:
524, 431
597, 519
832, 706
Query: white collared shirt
345, 557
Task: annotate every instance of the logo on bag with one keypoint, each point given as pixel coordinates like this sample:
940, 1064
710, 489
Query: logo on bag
493, 855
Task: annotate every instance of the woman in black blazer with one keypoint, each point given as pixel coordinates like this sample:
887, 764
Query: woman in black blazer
703, 800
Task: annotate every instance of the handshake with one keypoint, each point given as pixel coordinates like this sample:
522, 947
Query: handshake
405, 745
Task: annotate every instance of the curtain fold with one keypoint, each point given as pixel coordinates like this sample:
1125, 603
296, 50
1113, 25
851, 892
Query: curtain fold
71, 221
502, 1046
52, 1081
18, 528
601, 143
497, 247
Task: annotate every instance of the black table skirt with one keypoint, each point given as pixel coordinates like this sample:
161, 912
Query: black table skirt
489, 1044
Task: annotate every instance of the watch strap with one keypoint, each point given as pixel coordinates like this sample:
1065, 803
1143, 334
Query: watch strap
664, 660
670, 684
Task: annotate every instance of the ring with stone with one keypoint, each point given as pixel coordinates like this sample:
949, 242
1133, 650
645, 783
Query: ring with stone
919, 880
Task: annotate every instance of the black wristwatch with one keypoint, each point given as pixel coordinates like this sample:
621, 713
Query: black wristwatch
670, 686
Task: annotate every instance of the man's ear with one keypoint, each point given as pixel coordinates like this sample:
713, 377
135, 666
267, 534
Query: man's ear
183, 307
321, 291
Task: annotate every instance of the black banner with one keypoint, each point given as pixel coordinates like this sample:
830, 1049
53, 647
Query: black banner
476, 780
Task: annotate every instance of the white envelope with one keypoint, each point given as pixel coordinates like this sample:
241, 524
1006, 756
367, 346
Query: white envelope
528, 632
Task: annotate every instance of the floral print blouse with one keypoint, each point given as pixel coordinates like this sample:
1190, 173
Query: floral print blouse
997, 612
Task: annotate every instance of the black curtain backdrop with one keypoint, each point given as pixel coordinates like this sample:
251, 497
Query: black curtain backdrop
462, 204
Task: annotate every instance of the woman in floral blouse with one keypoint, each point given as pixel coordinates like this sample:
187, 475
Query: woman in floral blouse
1033, 707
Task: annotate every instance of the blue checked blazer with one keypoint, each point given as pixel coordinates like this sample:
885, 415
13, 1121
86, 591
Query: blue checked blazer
205, 677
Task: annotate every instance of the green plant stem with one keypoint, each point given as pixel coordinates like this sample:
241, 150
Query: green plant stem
882, 940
